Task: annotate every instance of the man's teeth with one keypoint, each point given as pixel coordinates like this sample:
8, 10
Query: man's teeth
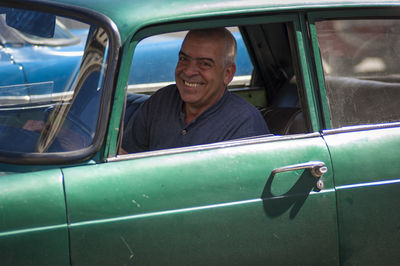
192, 84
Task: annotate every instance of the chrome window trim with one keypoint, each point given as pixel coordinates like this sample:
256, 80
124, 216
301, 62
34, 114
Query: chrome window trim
34, 99
218, 145
149, 88
249, 141
347, 129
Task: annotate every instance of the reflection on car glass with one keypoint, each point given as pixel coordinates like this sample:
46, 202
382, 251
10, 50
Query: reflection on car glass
50, 88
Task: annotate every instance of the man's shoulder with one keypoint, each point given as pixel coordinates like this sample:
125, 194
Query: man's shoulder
243, 111
238, 104
244, 117
166, 91
165, 94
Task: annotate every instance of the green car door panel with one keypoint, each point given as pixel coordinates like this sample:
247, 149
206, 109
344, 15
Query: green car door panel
362, 104
32, 211
321, 188
180, 212
367, 180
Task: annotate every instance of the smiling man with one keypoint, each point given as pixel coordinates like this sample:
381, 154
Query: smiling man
198, 109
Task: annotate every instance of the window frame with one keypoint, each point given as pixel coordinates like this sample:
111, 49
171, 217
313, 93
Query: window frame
352, 13
303, 67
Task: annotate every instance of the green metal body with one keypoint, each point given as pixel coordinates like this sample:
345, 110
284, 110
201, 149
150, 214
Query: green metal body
33, 228
238, 213
218, 205
367, 181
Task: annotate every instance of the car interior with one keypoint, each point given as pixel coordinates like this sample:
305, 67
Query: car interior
274, 55
273, 88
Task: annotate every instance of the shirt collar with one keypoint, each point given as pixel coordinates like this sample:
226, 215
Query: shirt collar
213, 108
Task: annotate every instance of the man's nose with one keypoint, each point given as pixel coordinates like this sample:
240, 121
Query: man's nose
191, 68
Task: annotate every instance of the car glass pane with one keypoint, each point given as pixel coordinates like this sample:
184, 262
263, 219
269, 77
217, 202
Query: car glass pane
62, 35
155, 59
51, 82
266, 93
360, 59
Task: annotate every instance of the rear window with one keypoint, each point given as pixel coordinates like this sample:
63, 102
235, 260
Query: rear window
361, 59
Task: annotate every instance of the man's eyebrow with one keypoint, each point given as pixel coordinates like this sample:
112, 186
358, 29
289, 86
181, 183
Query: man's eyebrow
198, 58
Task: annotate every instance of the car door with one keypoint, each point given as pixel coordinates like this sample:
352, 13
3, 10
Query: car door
33, 227
362, 131
212, 205
252, 201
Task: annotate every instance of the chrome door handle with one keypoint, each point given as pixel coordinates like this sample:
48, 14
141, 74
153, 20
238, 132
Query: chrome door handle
317, 168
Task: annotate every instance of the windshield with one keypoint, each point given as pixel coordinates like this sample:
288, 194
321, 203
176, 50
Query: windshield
51, 78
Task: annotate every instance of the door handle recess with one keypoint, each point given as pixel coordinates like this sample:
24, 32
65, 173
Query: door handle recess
317, 168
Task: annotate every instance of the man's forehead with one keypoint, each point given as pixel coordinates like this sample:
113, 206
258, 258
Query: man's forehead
197, 57
198, 47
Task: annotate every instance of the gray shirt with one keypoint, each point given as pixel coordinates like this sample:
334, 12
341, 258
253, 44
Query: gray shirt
160, 122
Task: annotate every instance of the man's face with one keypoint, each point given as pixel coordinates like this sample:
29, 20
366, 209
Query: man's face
200, 75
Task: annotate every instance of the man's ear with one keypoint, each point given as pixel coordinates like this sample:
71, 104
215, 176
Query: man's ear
229, 72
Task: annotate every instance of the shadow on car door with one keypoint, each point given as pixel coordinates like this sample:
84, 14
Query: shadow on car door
221, 204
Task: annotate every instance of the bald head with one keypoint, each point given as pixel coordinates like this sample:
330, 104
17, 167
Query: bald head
219, 34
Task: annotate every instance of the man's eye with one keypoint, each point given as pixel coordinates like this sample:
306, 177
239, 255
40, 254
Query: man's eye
205, 64
182, 59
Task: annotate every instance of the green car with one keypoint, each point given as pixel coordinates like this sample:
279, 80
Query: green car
323, 188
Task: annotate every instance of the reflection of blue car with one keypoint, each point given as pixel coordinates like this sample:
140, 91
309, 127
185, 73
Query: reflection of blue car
155, 59
37, 73
46, 66
35, 69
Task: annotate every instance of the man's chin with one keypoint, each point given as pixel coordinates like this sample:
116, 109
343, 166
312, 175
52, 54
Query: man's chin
189, 99
187, 95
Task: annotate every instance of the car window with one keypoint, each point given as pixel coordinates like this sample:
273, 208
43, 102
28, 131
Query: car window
155, 59
360, 62
51, 82
267, 67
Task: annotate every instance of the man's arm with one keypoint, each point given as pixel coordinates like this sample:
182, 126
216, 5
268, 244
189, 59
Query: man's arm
135, 135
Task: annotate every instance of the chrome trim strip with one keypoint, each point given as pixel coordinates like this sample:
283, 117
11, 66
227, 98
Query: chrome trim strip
34, 230
164, 212
182, 210
369, 184
238, 81
29, 107
147, 87
218, 145
241, 81
359, 128
34, 99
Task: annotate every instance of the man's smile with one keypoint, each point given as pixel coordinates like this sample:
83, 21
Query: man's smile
192, 84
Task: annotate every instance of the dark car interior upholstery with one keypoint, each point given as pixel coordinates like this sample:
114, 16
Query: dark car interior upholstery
284, 120
272, 48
